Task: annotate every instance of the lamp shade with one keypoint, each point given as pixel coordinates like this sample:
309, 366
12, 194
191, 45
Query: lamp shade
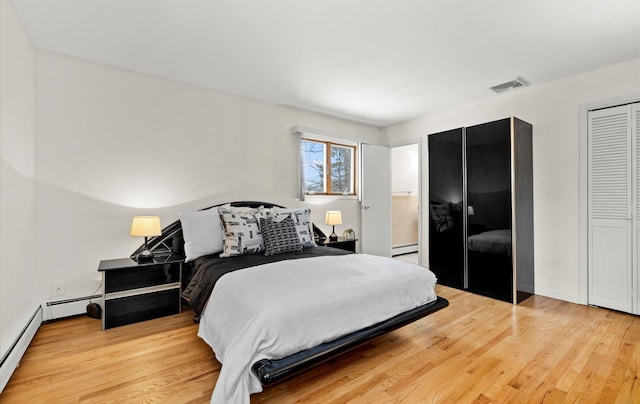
145, 226
470, 210
333, 217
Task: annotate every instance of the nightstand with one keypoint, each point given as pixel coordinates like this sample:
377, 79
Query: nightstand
342, 243
133, 292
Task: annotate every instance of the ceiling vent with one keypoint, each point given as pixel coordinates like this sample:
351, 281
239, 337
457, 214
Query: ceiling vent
510, 85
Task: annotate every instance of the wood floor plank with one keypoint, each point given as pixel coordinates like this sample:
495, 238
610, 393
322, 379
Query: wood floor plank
477, 350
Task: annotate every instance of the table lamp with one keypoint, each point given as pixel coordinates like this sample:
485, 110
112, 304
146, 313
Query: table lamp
333, 217
145, 226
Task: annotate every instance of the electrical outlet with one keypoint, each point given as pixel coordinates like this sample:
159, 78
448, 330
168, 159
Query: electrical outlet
58, 288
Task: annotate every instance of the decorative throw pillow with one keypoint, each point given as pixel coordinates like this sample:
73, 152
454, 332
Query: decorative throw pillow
242, 233
441, 217
280, 236
202, 232
300, 217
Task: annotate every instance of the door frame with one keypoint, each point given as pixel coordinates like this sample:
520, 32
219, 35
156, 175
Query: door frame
421, 187
583, 271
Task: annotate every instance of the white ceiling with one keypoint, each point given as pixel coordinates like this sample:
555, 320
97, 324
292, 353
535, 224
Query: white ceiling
373, 61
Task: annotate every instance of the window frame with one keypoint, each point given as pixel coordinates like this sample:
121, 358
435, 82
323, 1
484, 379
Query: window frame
328, 167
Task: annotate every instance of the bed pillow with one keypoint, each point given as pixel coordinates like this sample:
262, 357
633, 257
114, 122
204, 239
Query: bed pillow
202, 232
441, 217
242, 233
280, 236
300, 217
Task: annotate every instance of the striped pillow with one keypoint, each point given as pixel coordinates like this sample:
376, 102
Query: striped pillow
300, 217
280, 237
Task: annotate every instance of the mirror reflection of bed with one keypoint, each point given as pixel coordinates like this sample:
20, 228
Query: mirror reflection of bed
489, 244
489, 251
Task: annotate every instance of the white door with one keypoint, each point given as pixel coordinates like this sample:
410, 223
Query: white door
635, 139
611, 157
376, 200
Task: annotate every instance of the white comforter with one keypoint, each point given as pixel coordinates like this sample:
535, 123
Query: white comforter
274, 310
492, 241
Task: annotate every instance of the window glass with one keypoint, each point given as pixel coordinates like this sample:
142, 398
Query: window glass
327, 168
314, 161
341, 169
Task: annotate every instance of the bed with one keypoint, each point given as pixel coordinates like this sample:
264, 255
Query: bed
491, 242
293, 309
490, 264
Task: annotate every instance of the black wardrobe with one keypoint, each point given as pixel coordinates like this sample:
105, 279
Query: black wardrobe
481, 209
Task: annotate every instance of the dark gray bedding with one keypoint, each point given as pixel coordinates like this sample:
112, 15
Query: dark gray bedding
210, 268
491, 242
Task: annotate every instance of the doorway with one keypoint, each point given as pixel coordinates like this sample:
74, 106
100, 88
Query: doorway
613, 224
405, 201
609, 228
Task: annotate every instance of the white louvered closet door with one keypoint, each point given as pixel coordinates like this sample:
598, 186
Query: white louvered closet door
613, 177
635, 135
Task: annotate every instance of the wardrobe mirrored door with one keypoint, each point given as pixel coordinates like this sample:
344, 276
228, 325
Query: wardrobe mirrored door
489, 214
446, 231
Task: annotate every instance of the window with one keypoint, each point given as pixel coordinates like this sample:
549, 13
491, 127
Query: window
327, 168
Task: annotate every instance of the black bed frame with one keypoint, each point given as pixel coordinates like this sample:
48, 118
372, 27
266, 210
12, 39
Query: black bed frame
274, 371
270, 372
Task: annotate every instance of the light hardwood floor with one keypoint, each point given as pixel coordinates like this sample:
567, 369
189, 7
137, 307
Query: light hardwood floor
477, 350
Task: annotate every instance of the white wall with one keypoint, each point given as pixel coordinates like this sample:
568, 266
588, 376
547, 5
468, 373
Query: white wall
17, 177
553, 110
404, 170
114, 143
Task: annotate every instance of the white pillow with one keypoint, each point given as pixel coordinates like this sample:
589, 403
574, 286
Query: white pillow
202, 231
242, 233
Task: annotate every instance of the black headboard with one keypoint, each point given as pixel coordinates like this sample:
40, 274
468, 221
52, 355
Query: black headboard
171, 242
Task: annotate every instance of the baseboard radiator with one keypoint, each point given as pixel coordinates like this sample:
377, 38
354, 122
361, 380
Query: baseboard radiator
404, 249
11, 359
68, 308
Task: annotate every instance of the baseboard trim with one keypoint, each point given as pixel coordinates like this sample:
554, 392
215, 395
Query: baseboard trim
68, 307
555, 295
55, 320
11, 359
404, 249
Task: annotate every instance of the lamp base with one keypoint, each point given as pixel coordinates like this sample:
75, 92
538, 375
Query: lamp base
333, 236
145, 256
